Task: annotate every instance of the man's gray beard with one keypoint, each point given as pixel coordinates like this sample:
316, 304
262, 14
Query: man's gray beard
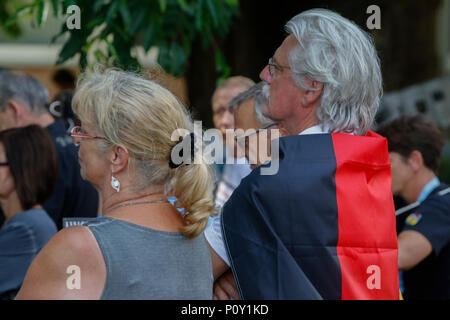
266, 92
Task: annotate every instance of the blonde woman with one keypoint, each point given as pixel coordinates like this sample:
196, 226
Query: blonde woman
142, 247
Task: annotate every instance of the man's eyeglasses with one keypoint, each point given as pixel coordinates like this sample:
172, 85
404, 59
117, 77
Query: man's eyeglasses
274, 66
4, 163
78, 133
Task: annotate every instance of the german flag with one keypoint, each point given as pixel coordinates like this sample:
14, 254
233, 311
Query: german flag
323, 227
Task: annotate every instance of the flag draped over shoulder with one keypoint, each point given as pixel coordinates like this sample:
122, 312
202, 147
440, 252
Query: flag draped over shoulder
323, 227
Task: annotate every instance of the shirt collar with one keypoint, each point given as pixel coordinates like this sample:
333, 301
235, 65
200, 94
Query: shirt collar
317, 129
429, 187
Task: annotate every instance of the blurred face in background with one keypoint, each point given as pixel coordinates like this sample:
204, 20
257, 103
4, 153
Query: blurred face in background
222, 117
245, 119
6, 179
401, 171
248, 141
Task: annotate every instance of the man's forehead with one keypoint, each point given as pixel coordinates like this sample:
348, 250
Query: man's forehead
225, 95
289, 43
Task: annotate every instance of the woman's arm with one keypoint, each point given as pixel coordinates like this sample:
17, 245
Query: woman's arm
70, 266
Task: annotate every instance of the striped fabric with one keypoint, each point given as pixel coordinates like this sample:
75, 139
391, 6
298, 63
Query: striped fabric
322, 228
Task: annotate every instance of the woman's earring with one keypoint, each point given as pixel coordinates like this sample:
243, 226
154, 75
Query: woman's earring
115, 183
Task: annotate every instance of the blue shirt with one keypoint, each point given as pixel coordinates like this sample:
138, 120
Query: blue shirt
430, 279
429, 188
21, 238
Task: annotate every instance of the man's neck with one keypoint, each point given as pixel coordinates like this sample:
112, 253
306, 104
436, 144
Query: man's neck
295, 129
415, 186
44, 120
304, 118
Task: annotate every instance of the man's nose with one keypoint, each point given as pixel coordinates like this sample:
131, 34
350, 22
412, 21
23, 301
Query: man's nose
228, 119
265, 75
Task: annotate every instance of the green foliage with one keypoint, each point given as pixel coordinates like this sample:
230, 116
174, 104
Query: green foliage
6, 11
171, 25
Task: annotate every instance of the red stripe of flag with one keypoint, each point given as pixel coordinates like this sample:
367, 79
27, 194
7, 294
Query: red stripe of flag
367, 244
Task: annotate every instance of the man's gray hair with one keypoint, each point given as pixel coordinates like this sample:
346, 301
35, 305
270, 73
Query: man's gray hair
256, 92
23, 88
336, 52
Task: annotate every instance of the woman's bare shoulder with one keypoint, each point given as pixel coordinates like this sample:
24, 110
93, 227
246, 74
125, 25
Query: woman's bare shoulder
70, 266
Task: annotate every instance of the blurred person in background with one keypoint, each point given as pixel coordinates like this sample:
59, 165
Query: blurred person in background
64, 79
28, 173
61, 105
141, 247
61, 109
249, 121
24, 101
415, 146
229, 174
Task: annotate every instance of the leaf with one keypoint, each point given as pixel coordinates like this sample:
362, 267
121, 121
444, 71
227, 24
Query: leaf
55, 6
232, 2
68, 3
112, 50
149, 36
178, 59
222, 66
99, 55
199, 16
62, 32
94, 23
42, 12
73, 46
112, 11
137, 24
164, 58
98, 4
213, 12
183, 4
162, 5
125, 13
19, 13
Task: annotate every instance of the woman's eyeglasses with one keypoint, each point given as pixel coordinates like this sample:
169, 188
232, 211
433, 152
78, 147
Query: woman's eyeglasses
78, 133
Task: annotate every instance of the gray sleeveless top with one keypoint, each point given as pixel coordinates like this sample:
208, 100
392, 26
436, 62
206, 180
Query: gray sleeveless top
143, 263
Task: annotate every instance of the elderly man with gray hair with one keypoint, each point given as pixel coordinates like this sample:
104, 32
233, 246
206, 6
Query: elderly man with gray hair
323, 227
23, 101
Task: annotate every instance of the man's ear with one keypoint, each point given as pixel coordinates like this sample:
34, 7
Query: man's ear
119, 159
415, 160
17, 112
311, 96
